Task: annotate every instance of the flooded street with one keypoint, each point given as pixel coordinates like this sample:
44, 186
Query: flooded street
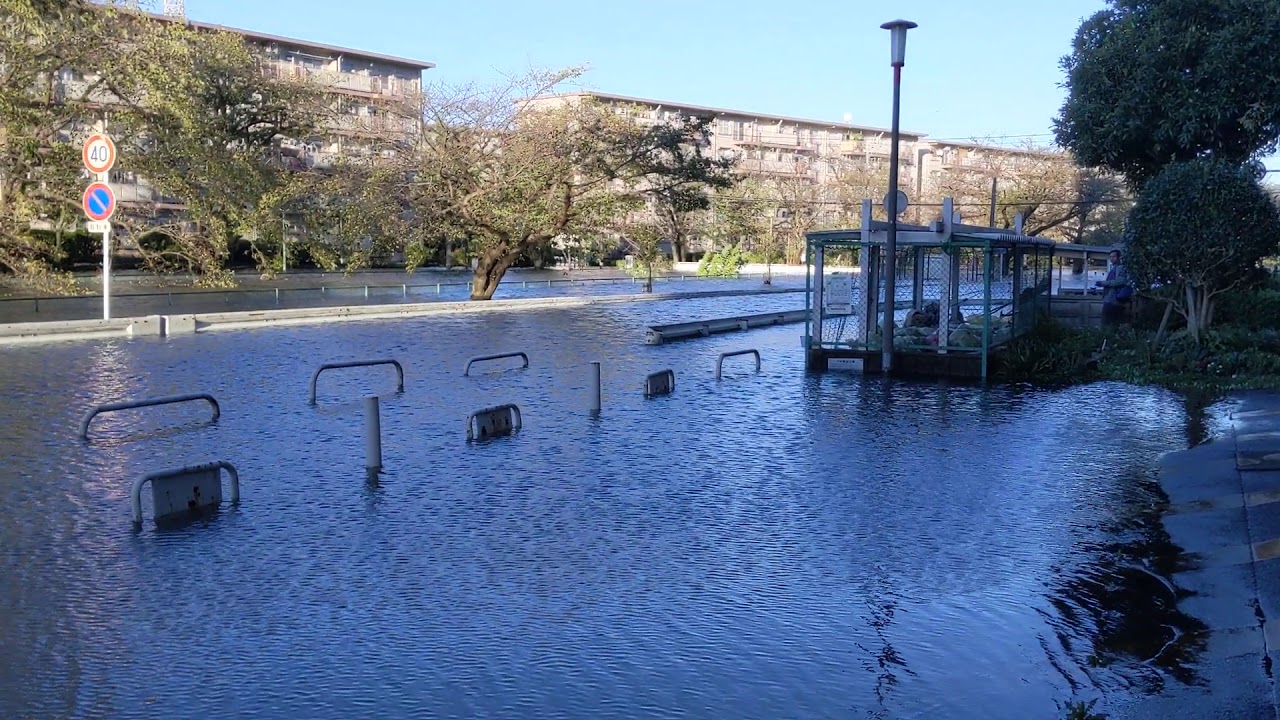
768, 545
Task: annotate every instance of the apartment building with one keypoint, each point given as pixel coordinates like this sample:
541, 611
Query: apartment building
374, 100
768, 146
819, 152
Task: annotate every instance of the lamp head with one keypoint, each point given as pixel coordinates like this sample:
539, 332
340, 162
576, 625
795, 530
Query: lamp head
898, 40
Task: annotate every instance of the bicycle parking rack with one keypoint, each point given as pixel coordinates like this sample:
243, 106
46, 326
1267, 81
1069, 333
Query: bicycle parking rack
147, 402
493, 422
499, 356
180, 492
356, 363
736, 353
660, 383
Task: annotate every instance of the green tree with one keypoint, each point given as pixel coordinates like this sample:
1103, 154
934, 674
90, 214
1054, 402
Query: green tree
743, 215
677, 176
1199, 229
202, 121
45, 106
1153, 82
801, 205
511, 169
643, 241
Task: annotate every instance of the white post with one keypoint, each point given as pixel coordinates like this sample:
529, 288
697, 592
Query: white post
284, 244
106, 275
946, 296
595, 387
372, 435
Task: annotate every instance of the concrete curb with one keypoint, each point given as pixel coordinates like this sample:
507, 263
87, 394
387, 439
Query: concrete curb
168, 325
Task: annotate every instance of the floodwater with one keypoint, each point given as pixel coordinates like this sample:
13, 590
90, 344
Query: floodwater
770, 545
307, 291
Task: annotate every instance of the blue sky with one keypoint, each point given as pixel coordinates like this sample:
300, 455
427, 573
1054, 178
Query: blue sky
975, 68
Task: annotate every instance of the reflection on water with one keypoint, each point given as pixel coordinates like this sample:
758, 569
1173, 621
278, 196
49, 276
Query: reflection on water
771, 545
1116, 611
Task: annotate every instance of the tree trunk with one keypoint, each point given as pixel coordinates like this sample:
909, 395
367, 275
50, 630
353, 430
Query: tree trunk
1164, 323
1194, 313
488, 273
648, 283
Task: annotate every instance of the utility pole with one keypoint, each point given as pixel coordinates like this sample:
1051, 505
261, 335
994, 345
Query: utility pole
991, 221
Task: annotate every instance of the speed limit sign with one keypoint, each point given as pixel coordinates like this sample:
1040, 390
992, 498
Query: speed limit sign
99, 153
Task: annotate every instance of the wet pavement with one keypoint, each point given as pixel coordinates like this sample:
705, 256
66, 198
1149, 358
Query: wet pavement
1223, 515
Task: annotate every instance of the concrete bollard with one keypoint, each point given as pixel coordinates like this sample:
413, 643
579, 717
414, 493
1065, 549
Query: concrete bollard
595, 387
372, 435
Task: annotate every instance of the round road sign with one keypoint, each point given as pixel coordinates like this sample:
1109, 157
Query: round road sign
99, 202
902, 202
98, 153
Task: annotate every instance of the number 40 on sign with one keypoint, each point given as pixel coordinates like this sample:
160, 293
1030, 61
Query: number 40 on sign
99, 154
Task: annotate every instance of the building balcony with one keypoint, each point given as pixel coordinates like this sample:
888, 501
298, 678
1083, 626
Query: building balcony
780, 142
83, 91
374, 124
343, 81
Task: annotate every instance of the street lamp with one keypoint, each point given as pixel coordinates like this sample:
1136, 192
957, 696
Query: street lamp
897, 57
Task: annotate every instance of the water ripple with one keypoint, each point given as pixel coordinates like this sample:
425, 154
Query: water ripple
769, 545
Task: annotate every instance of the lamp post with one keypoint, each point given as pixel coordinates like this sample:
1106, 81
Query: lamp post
897, 52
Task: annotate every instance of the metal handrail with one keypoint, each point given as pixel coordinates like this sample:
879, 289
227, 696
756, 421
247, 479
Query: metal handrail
219, 464
499, 356
356, 363
147, 402
518, 420
735, 353
648, 382
402, 286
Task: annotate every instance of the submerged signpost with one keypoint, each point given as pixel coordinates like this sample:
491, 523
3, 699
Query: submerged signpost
99, 203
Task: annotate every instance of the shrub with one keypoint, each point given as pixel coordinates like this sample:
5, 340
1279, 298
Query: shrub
1256, 308
1200, 228
725, 263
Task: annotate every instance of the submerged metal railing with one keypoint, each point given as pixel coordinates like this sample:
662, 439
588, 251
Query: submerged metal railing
356, 363
736, 353
498, 356
147, 402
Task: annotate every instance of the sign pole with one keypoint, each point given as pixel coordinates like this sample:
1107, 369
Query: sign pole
99, 156
106, 275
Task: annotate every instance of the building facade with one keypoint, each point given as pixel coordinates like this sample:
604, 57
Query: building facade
843, 161
374, 102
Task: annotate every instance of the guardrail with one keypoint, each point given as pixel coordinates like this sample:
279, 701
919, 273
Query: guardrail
189, 471
483, 358
274, 293
147, 402
658, 334
662, 382
355, 363
494, 422
736, 353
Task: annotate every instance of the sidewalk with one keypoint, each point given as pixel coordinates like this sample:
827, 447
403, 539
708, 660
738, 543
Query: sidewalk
1224, 512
